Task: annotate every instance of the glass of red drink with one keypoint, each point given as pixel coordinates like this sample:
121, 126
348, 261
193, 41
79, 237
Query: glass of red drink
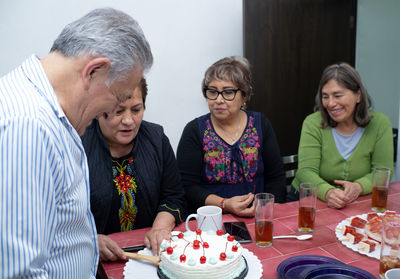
390, 253
307, 206
264, 206
380, 188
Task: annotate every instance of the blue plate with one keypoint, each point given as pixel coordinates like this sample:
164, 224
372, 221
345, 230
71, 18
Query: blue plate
292, 267
334, 271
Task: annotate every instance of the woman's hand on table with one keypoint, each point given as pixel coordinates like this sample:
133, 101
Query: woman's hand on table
161, 229
352, 190
109, 249
238, 205
336, 198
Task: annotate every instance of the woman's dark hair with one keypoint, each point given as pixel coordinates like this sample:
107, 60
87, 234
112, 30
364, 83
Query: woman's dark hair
346, 76
235, 69
143, 88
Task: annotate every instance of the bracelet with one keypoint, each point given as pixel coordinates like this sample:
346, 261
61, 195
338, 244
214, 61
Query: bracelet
222, 206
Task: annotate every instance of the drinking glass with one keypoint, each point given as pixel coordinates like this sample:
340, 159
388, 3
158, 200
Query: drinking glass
307, 206
264, 206
380, 188
390, 252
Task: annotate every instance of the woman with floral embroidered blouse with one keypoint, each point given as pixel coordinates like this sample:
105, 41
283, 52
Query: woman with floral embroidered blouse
228, 155
134, 177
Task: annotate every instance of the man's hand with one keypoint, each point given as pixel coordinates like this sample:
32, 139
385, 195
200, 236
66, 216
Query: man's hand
109, 249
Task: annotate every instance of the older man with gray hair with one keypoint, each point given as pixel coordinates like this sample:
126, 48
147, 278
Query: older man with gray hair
46, 227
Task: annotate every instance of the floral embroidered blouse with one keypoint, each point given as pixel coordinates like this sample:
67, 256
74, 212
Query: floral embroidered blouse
128, 192
210, 165
125, 188
226, 164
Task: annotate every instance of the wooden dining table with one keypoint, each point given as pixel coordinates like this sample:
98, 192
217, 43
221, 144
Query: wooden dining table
323, 243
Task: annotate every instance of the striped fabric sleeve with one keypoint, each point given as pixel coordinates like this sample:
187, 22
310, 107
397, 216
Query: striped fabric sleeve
27, 215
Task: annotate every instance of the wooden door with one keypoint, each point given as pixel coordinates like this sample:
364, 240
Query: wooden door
289, 43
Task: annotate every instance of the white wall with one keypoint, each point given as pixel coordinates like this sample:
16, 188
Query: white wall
186, 37
378, 54
378, 57
396, 176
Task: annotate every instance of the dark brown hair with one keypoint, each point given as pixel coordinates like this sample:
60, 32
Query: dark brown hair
143, 88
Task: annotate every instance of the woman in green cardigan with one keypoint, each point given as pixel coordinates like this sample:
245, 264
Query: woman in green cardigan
343, 140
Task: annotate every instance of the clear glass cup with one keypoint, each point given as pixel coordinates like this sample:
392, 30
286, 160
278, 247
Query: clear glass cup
264, 207
380, 188
307, 206
390, 248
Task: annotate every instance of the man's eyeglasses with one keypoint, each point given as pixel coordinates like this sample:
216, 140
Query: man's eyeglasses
227, 94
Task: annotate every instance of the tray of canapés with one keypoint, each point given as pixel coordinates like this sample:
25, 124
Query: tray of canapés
363, 233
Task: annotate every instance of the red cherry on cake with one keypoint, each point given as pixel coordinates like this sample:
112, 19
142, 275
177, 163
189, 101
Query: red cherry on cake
170, 250
205, 245
198, 231
231, 238
182, 258
196, 244
222, 256
180, 235
234, 248
220, 232
203, 259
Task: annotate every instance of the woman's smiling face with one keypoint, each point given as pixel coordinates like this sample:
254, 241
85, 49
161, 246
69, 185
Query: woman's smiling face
339, 101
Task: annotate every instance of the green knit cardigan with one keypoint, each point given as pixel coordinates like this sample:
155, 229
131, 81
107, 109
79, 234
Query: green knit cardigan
320, 162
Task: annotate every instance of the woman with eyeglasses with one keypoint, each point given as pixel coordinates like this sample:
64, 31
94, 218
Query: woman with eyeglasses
228, 155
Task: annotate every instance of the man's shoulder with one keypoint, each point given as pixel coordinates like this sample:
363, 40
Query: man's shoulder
18, 97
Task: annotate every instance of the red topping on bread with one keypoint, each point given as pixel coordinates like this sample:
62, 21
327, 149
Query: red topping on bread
367, 246
349, 230
358, 222
371, 215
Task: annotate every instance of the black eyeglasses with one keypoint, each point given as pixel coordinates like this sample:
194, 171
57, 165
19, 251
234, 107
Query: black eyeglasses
227, 94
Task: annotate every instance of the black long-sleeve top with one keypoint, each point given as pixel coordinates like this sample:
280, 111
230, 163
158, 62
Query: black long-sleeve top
193, 153
156, 173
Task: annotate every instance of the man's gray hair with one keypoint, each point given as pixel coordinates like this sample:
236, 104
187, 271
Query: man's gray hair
110, 33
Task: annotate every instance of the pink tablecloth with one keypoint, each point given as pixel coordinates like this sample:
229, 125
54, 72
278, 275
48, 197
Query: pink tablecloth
324, 241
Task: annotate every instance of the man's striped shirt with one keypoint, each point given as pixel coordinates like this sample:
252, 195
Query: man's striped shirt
46, 227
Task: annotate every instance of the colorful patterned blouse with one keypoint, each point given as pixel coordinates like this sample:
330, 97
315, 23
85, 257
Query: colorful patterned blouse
235, 169
125, 183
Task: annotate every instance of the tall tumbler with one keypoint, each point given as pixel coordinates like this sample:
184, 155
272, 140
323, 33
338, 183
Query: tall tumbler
264, 203
307, 206
390, 252
380, 188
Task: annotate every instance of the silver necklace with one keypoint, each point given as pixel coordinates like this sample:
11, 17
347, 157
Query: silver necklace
234, 139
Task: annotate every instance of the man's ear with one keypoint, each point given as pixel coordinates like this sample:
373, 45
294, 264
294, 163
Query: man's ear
95, 68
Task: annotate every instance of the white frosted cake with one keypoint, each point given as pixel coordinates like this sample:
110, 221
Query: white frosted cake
202, 255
